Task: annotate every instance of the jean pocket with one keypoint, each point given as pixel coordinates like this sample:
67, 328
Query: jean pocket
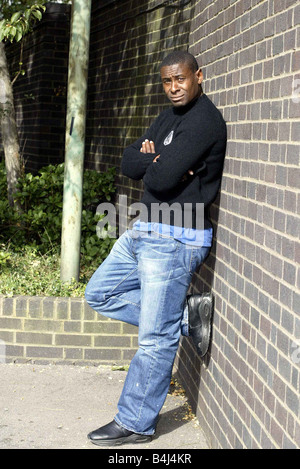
198, 256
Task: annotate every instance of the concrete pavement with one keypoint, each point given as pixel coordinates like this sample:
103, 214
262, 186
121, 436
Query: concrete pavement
56, 406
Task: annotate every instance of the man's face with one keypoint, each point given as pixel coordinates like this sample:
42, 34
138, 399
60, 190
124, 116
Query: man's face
181, 84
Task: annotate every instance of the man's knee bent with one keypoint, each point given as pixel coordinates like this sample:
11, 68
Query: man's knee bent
94, 299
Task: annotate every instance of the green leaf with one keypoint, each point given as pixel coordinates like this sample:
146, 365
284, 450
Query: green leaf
15, 16
37, 14
13, 31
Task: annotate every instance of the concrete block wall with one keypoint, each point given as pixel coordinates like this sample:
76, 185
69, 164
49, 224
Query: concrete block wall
246, 392
62, 331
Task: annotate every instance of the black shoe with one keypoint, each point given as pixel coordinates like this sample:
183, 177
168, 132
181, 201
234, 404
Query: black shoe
200, 308
113, 434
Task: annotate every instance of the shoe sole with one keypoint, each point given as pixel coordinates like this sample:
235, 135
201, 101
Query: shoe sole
205, 313
135, 439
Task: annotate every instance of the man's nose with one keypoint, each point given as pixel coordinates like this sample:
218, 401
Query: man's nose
174, 86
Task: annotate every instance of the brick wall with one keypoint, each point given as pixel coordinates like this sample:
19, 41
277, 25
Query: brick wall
61, 331
246, 392
40, 95
128, 41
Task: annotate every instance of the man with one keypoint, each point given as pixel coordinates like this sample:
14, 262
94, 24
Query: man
145, 279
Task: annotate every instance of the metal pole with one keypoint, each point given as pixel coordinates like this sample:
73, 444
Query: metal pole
75, 139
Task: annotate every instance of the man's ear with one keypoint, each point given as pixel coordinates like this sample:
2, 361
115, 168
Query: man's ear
199, 76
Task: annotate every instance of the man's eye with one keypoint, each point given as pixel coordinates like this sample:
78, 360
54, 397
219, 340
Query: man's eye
181, 79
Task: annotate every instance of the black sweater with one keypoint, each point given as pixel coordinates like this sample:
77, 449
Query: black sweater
192, 137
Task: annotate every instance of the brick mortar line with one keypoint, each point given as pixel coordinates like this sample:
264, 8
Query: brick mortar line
242, 294
265, 338
258, 398
211, 93
259, 161
229, 88
77, 334
264, 121
99, 44
237, 69
68, 346
288, 384
274, 15
273, 207
260, 224
253, 304
261, 182
202, 394
218, 405
253, 102
262, 101
267, 205
253, 64
251, 412
266, 248
147, 25
255, 44
256, 244
259, 355
214, 420
135, 115
224, 9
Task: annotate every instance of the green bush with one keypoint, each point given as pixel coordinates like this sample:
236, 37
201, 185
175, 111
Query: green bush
39, 224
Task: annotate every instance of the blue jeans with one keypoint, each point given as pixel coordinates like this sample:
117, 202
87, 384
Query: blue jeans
144, 281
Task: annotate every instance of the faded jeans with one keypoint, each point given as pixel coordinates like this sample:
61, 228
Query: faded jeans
144, 281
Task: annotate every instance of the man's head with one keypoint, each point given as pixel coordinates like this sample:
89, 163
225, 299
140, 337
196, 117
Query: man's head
181, 78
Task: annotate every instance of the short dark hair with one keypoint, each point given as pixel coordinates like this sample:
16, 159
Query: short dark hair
179, 57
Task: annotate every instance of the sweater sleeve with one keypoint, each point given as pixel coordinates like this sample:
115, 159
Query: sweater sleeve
187, 151
135, 163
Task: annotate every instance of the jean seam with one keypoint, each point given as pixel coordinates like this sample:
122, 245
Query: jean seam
146, 388
191, 260
124, 301
109, 294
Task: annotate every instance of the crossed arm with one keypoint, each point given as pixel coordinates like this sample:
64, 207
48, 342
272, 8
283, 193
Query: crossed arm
149, 147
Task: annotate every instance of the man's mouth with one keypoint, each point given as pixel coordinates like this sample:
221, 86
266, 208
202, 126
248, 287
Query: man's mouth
176, 98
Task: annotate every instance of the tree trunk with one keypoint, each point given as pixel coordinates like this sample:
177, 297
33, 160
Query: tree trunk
9, 132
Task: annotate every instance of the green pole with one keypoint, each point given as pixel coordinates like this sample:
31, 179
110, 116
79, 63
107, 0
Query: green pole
75, 139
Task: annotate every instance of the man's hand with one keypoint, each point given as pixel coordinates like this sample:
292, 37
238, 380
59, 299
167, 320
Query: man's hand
149, 147
186, 175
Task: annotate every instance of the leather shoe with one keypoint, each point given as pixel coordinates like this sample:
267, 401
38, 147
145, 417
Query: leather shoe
113, 434
200, 309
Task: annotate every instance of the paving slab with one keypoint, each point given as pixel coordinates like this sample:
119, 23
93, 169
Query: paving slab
56, 406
